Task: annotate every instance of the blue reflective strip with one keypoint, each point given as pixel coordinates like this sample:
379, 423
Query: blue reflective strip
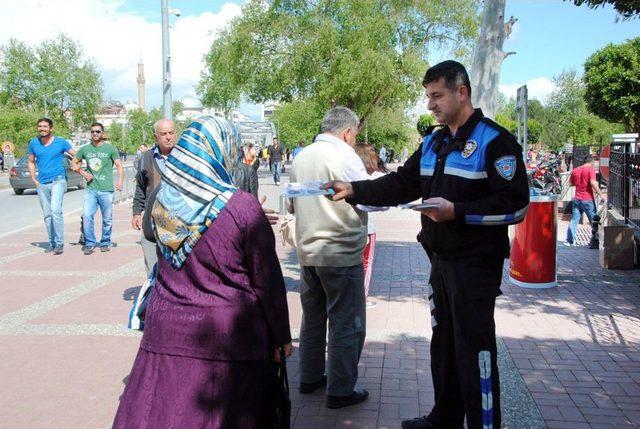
506, 219
484, 363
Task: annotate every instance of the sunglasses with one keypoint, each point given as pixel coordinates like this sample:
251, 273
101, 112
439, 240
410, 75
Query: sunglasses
96, 132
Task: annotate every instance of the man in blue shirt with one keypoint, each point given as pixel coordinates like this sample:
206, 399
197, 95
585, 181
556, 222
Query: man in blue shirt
48, 151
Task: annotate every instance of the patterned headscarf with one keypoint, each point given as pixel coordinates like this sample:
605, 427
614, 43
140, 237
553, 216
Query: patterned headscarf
196, 185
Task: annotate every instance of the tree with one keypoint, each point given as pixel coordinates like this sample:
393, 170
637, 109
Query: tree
488, 56
424, 122
367, 55
55, 70
568, 119
296, 121
626, 8
612, 79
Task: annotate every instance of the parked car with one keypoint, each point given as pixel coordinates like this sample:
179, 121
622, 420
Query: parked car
20, 179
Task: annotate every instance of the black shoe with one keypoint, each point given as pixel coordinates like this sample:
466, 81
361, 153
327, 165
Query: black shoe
58, 250
311, 387
105, 248
87, 250
418, 423
344, 401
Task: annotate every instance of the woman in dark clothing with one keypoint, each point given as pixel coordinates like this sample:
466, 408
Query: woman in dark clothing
218, 310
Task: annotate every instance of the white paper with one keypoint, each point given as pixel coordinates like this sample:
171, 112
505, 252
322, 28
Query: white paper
306, 189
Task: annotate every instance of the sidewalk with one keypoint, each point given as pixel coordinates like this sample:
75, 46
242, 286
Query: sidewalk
569, 356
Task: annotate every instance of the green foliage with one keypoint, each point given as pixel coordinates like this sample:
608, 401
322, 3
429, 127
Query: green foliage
626, 8
424, 122
388, 127
28, 75
564, 119
612, 79
19, 126
368, 55
298, 120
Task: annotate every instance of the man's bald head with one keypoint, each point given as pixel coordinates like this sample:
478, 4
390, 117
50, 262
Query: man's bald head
164, 131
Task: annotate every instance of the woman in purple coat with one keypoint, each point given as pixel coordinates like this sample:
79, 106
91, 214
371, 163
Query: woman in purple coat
218, 310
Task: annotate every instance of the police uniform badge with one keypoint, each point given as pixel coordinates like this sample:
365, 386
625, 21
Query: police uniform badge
506, 166
469, 147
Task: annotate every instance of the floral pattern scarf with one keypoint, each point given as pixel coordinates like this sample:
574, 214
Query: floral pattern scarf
196, 184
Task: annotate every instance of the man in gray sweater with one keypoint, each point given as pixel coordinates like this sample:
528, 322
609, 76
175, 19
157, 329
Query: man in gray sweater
330, 238
147, 181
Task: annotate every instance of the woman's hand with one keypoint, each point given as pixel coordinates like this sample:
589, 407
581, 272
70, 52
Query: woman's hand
288, 349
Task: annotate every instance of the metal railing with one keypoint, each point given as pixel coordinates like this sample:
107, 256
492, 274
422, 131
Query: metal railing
128, 187
624, 182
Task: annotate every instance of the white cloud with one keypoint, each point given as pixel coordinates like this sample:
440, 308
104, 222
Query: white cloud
116, 40
538, 88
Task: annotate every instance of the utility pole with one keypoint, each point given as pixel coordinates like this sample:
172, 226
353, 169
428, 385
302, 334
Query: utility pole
166, 62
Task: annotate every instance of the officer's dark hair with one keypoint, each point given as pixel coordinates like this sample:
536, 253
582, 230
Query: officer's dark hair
47, 120
97, 124
453, 72
588, 158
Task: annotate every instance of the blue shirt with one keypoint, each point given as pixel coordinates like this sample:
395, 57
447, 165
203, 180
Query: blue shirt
159, 158
49, 159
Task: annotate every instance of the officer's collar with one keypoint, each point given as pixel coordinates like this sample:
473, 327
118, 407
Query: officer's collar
465, 130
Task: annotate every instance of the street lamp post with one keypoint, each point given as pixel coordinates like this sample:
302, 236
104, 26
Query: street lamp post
44, 100
166, 62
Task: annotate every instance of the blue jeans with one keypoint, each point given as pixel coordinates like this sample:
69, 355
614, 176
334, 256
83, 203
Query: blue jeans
579, 207
277, 167
50, 196
93, 200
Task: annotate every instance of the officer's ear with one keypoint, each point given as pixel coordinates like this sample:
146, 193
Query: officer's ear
462, 91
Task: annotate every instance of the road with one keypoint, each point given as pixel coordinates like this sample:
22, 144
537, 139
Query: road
21, 211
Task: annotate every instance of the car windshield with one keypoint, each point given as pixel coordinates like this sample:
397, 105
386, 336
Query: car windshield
23, 160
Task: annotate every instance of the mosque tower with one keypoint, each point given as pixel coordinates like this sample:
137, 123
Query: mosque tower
140, 80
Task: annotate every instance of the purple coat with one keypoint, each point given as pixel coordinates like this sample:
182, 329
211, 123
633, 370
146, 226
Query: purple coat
228, 301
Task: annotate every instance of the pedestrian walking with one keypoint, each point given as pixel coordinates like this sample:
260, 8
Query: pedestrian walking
47, 152
471, 172
276, 154
584, 179
330, 238
100, 157
218, 311
152, 164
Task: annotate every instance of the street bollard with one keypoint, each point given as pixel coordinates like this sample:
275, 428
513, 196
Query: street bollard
282, 209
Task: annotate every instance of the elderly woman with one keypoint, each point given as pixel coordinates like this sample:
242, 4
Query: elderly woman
218, 309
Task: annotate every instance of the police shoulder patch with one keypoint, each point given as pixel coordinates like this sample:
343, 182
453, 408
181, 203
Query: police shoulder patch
469, 147
506, 166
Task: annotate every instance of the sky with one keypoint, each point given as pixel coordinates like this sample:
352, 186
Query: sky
550, 36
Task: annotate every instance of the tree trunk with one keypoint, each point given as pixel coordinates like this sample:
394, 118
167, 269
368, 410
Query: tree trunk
488, 56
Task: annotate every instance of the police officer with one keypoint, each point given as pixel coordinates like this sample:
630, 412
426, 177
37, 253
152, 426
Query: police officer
471, 175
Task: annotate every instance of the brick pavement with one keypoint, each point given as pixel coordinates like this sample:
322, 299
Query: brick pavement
570, 356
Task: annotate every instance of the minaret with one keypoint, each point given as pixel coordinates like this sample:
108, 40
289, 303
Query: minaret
141, 81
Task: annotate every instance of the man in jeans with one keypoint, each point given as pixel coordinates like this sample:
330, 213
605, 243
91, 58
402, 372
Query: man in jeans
48, 153
275, 158
584, 179
100, 157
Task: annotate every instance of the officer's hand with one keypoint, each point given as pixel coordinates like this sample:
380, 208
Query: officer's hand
271, 215
342, 190
442, 212
136, 222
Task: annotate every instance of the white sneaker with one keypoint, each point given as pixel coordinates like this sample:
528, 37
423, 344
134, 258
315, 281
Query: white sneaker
566, 243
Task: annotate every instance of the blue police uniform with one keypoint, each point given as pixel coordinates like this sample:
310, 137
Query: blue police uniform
480, 170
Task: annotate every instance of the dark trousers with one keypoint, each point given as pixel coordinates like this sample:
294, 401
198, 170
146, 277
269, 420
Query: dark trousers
336, 294
463, 346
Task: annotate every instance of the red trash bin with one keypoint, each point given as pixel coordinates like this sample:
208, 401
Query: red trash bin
533, 253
